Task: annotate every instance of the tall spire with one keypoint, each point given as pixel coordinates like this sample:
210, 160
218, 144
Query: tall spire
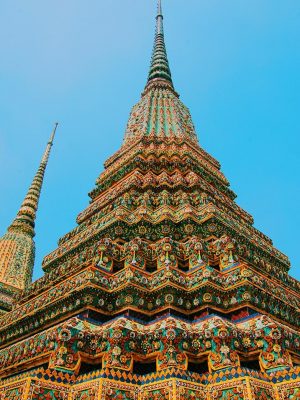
160, 113
17, 247
25, 219
159, 68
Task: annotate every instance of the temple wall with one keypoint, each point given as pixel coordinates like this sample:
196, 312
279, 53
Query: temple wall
170, 389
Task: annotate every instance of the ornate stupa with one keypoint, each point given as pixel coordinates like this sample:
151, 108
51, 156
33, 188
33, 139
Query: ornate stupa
17, 248
164, 290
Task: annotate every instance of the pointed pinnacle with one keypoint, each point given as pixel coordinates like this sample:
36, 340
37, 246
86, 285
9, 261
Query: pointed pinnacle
159, 68
25, 219
159, 19
49, 145
53, 133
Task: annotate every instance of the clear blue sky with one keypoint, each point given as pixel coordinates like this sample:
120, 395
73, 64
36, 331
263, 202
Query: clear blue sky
235, 63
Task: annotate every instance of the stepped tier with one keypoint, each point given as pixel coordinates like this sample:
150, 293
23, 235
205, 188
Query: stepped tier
219, 347
184, 283
154, 190
171, 341
165, 289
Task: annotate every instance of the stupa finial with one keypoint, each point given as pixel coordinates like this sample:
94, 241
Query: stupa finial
159, 68
159, 18
25, 219
49, 144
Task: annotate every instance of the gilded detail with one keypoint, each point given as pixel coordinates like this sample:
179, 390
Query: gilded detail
164, 290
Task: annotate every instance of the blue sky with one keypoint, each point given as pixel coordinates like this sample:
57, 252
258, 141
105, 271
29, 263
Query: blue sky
235, 63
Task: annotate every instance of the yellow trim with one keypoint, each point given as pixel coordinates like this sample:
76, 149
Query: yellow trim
28, 383
99, 384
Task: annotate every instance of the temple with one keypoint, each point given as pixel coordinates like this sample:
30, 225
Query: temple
164, 290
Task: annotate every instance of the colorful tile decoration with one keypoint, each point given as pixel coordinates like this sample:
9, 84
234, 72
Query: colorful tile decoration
164, 291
